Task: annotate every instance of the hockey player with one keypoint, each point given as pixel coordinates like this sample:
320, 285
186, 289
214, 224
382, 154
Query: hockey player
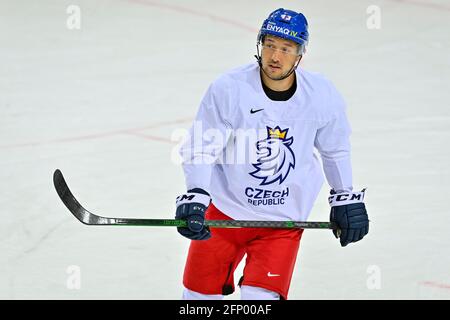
250, 156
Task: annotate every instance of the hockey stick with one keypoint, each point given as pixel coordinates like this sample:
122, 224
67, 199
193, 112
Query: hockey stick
89, 218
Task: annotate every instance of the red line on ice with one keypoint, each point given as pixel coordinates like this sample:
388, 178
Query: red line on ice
131, 131
424, 4
435, 284
190, 11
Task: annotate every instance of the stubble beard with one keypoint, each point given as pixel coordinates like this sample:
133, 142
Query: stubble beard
273, 76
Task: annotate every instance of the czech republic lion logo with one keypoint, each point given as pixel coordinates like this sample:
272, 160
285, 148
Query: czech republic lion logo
275, 157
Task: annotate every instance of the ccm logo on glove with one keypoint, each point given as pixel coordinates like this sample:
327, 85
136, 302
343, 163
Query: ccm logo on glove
346, 198
349, 212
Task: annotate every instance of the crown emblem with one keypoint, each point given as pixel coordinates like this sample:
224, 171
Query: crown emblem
276, 133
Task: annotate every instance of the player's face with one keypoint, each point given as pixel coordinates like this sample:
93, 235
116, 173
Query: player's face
278, 56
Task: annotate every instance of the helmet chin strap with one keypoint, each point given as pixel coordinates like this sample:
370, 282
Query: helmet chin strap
258, 58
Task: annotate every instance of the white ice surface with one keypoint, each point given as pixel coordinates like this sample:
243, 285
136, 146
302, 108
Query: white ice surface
101, 103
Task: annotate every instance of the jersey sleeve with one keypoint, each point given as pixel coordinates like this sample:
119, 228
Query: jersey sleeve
207, 136
333, 143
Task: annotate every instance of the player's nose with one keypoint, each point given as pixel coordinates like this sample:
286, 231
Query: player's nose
275, 56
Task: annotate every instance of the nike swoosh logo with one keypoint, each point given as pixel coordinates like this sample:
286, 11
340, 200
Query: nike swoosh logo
254, 111
272, 274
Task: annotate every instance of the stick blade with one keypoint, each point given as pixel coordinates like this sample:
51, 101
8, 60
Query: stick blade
72, 203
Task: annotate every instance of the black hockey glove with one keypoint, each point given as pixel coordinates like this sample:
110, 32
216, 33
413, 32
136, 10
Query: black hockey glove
349, 213
191, 207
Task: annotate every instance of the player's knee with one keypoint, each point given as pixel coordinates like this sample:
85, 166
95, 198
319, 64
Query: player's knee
256, 293
192, 295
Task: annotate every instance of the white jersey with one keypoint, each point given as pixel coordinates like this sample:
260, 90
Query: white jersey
255, 156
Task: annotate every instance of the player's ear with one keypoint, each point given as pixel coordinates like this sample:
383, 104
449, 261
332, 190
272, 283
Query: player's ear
302, 51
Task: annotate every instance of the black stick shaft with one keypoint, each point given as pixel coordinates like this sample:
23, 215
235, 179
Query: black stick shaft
90, 218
